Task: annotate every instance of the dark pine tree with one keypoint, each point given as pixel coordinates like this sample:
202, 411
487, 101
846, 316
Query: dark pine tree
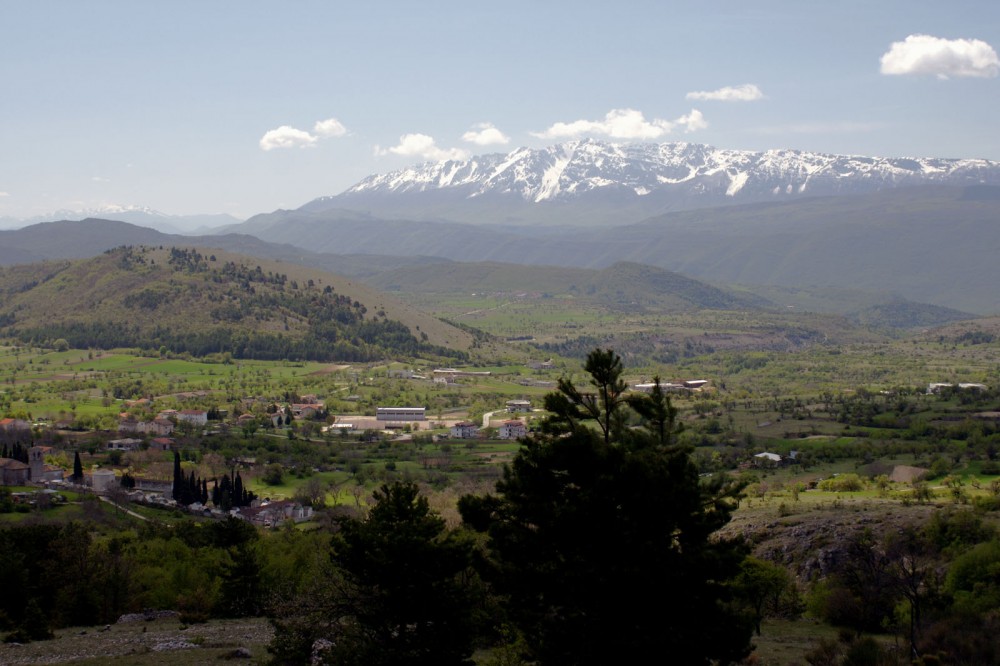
603, 538
407, 594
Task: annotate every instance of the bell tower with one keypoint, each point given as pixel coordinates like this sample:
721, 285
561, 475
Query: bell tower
36, 461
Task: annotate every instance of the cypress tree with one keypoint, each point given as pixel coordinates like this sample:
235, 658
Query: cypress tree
238, 491
77, 468
178, 489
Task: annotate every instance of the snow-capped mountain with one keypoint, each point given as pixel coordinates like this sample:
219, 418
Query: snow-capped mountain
644, 178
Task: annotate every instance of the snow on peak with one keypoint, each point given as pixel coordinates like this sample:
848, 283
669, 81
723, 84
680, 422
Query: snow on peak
578, 167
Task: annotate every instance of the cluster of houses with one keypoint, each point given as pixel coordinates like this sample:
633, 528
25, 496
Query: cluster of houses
509, 429
164, 423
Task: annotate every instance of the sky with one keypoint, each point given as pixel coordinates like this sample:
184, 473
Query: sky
244, 107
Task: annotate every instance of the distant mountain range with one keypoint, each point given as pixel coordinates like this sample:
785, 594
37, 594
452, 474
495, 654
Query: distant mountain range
922, 230
137, 215
594, 183
621, 285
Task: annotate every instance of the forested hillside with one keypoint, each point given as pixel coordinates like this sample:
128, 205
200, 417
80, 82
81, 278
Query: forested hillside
213, 303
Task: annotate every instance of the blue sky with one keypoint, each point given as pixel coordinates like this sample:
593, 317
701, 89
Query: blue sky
245, 107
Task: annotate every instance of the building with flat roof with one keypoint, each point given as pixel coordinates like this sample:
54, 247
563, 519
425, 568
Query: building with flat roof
401, 413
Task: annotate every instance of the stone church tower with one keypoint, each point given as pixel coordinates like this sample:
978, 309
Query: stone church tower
36, 461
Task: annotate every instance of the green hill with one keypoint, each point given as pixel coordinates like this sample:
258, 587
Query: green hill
209, 301
622, 285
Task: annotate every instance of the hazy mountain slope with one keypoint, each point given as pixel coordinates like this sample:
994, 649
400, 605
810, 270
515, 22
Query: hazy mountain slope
621, 285
930, 244
900, 313
936, 246
87, 238
139, 216
637, 286
352, 234
212, 301
73, 240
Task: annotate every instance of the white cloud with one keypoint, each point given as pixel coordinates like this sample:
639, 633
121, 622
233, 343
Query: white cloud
421, 145
624, 124
485, 134
100, 179
748, 92
693, 121
331, 127
286, 137
944, 58
4, 194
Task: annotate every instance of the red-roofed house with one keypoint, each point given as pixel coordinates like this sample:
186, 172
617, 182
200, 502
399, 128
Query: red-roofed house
12, 425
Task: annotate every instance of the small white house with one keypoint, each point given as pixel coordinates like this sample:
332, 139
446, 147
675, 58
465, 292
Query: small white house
767, 459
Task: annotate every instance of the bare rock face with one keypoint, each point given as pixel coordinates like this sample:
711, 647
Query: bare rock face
147, 616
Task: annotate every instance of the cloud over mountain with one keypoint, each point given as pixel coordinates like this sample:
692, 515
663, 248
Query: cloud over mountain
485, 134
421, 145
628, 124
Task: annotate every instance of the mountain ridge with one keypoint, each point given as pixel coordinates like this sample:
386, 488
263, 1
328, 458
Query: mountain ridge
602, 183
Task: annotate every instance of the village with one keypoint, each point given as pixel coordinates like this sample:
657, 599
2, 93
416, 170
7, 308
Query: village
132, 464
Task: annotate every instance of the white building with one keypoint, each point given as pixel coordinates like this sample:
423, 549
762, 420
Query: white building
513, 429
102, 479
465, 430
198, 417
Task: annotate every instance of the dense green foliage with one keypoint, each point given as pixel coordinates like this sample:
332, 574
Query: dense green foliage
601, 535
